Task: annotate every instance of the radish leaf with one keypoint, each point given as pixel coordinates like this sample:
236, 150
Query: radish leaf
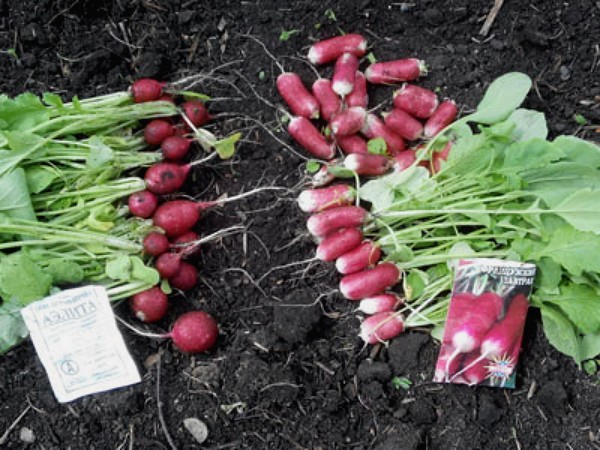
12, 326
580, 304
561, 333
530, 124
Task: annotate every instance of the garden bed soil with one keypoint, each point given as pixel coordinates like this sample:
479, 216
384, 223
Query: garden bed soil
288, 371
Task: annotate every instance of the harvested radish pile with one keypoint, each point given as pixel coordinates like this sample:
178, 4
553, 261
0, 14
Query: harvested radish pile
74, 209
438, 189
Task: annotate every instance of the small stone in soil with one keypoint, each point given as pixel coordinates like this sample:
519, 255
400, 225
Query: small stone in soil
27, 435
197, 429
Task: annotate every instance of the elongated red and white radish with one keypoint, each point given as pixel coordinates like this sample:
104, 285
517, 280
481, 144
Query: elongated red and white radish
323, 177
366, 283
142, 204
344, 74
331, 49
146, 90
310, 138
404, 124
337, 243
194, 332
157, 130
416, 100
175, 148
389, 72
155, 243
329, 102
375, 128
348, 122
298, 98
323, 223
404, 159
196, 112
352, 143
150, 305
359, 95
443, 116
381, 327
317, 200
365, 255
367, 164
380, 303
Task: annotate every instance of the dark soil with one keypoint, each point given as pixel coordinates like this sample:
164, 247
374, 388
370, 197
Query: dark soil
289, 372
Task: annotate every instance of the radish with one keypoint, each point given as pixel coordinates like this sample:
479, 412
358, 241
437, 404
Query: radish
317, 200
194, 332
367, 164
187, 243
352, 143
380, 303
323, 177
166, 98
349, 121
337, 243
369, 282
196, 112
146, 90
329, 101
186, 278
292, 90
178, 216
142, 204
395, 71
307, 135
381, 327
157, 130
443, 116
175, 148
325, 222
438, 157
415, 100
403, 160
375, 128
150, 305
331, 49
165, 177
168, 264
156, 243
363, 256
344, 74
404, 124
359, 95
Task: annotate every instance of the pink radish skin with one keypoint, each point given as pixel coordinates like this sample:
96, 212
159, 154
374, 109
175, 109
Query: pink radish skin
379, 303
322, 177
168, 264
178, 216
196, 112
352, 144
437, 158
165, 177
443, 116
416, 101
477, 372
300, 101
187, 277
375, 128
440, 375
150, 305
157, 130
331, 49
317, 200
359, 95
186, 244
194, 332
337, 243
381, 327
175, 148
310, 138
367, 165
460, 304
142, 204
403, 160
329, 102
146, 90
344, 74
349, 121
166, 98
389, 72
363, 256
369, 282
325, 222
404, 124
155, 243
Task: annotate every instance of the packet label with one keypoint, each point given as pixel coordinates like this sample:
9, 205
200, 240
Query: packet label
484, 326
76, 337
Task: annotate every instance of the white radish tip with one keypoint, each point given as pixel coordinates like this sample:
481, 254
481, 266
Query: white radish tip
313, 55
306, 201
351, 162
342, 88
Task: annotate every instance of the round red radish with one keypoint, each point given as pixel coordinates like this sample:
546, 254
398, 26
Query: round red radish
156, 243
194, 332
142, 204
150, 305
363, 256
166, 98
366, 283
329, 101
168, 264
338, 243
301, 102
146, 90
358, 96
381, 327
317, 200
186, 278
416, 101
157, 130
186, 243
331, 49
352, 144
177, 216
325, 222
165, 178
175, 148
196, 112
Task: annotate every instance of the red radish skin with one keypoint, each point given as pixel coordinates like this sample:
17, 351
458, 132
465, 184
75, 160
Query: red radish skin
329, 102
196, 112
155, 243
317, 200
181, 129
344, 74
187, 277
309, 138
150, 305
337, 243
186, 244
381, 327
168, 265
379, 303
365, 255
175, 148
146, 90
438, 158
165, 177
416, 101
389, 72
195, 332
375, 128
359, 95
403, 160
366, 283
331, 49
367, 165
142, 204
325, 222
348, 122
404, 124
300, 101
443, 116
157, 130
178, 216
166, 98
352, 144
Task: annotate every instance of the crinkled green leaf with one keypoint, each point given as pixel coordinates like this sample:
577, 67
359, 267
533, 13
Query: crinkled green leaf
22, 280
100, 153
226, 147
530, 154
142, 272
580, 303
12, 326
119, 268
582, 210
15, 200
40, 177
377, 146
578, 150
530, 124
590, 346
64, 271
23, 112
561, 333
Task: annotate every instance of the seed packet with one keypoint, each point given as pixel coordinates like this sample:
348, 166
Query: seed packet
484, 326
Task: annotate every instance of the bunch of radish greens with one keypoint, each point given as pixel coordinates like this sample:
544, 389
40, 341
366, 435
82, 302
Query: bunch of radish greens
66, 170
505, 191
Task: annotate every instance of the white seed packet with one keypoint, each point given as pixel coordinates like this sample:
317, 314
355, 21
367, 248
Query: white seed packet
76, 337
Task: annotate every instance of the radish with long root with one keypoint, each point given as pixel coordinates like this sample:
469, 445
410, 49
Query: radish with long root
368, 282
